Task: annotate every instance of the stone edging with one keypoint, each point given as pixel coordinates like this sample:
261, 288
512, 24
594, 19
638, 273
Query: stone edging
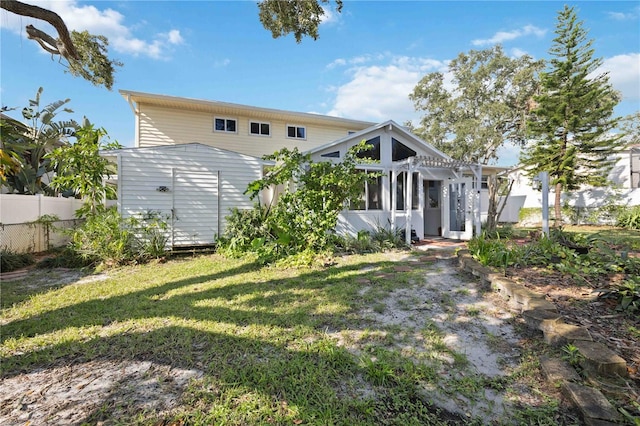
542, 315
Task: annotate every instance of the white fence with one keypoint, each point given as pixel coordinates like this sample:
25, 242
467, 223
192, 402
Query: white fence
19, 233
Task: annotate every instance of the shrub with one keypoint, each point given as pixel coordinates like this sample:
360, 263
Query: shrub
10, 260
626, 293
388, 237
105, 238
629, 218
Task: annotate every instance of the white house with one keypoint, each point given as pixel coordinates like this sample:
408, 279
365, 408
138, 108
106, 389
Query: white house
431, 194
625, 188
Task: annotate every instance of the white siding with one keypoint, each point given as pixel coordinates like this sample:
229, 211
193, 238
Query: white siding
143, 171
195, 207
164, 126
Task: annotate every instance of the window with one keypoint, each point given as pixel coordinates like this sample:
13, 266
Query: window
373, 153
371, 197
433, 194
224, 125
262, 129
634, 155
334, 154
401, 184
296, 132
400, 151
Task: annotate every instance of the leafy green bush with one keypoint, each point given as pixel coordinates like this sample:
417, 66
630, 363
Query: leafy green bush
389, 238
303, 218
105, 238
242, 227
10, 260
629, 218
626, 293
381, 239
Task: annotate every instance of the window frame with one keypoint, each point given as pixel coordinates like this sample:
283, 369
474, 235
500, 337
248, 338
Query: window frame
401, 191
260, 124
365, 195
296, 127
226, 119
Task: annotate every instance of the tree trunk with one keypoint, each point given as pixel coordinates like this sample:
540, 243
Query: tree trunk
558, 206
492, 210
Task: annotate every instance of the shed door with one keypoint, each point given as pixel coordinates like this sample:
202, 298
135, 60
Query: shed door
457, 206
195, 210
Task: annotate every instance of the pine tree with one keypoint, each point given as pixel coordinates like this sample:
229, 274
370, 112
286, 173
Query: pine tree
573, 114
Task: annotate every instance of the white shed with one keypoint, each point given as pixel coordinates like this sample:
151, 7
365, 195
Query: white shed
192, 186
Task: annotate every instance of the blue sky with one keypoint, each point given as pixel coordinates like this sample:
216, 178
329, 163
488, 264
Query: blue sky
364, 65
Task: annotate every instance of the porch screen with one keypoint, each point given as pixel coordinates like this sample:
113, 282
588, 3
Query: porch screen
371, 197
401, 191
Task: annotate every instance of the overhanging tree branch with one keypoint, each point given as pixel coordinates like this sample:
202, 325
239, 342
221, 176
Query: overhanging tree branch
62, 46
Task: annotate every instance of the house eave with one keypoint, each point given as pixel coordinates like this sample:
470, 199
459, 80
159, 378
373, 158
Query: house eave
232, 109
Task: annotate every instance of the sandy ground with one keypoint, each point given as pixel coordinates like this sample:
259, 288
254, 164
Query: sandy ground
474, 323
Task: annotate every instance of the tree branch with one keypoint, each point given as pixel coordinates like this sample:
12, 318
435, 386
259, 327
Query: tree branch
47, 42
64, 44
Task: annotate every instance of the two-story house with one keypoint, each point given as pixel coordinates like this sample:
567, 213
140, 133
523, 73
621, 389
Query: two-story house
193, 159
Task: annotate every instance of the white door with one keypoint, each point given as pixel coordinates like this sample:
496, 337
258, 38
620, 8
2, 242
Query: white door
195, 208
457, 208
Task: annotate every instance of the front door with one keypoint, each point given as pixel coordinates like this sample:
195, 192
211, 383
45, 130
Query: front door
457, 206
432, 209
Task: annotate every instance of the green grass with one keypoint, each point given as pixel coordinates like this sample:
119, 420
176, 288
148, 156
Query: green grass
265, 339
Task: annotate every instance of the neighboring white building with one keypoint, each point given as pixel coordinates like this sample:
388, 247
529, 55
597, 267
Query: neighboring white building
625, 188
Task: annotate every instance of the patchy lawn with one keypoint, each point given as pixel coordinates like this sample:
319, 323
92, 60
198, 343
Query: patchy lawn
399, 338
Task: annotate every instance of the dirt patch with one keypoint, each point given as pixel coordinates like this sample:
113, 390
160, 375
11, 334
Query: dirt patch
481, 344
74, 394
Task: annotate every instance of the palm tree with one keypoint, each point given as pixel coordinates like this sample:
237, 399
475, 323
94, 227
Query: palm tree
23, 166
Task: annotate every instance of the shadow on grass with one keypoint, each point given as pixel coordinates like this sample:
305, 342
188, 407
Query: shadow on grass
260, 342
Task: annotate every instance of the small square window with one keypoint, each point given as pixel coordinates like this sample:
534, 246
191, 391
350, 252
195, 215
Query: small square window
296, 132
225, 125
257, 128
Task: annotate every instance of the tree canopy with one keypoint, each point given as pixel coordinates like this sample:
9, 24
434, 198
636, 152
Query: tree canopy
86, 55
573, 114
486, 106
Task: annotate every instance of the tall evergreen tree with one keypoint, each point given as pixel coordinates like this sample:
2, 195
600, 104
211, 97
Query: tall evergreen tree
573, 114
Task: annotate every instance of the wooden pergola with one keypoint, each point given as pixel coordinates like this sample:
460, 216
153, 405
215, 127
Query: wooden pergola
424, 164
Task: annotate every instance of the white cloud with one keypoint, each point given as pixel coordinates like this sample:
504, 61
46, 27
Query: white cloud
624, 74
337, 63
379, 92
518, 53
625, 16
502, 36
329, 17
174, 37
222, 63
107, 22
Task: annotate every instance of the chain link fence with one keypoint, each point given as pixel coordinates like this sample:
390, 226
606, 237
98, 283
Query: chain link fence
34, 237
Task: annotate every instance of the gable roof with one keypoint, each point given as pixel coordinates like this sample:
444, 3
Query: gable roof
227, 108
392, 125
